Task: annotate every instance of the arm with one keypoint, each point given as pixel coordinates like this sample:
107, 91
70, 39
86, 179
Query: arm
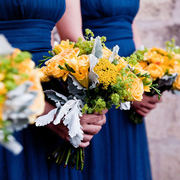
136, 36
70, 25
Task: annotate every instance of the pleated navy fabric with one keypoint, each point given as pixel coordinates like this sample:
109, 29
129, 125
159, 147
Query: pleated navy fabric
120, 150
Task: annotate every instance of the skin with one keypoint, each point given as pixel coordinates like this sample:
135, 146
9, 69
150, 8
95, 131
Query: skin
70, 27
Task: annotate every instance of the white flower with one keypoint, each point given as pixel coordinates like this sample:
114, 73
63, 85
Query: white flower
12, 145
5, 47
125, 106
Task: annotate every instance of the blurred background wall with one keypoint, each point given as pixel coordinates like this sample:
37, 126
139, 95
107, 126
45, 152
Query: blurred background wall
159, 21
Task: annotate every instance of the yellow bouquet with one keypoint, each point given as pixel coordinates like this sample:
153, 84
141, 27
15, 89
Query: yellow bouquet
86, 77
21, 95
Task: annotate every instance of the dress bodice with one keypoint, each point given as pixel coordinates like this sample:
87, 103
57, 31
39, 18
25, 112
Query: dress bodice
113, 19
31, 9
27, 24
97, 9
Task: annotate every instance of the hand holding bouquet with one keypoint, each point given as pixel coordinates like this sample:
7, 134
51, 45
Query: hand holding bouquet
164, 68
86, 77
21, 95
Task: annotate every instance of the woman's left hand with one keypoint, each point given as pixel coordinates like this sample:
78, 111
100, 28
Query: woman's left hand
146, 105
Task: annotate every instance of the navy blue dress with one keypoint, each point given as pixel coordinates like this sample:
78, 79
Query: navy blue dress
119, 151
121, 148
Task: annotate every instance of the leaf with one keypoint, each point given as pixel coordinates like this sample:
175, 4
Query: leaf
64, 111
76, 83
70, 69
70, 113
46, 119
74, 87
92, 75
55, 96
115, 52
5, 47
97, 48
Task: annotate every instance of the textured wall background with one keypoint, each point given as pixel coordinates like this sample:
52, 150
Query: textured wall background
159, 21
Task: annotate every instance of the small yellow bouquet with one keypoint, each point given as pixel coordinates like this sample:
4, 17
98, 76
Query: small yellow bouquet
163, 67
86, 77
21, 95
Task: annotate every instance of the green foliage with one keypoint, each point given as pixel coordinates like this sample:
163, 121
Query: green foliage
22, 56
115, 98
86, 45
171, 47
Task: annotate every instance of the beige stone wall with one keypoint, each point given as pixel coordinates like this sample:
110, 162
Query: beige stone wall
159, 21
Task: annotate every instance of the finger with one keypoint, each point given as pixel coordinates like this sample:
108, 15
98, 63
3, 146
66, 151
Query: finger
103, 112
101, 122
91, 129
141, 113
87, 137
148, 106
143, 110
153, 99
84, 145
91, 119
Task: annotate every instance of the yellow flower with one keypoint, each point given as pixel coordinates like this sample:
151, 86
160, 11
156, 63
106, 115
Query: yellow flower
63, 46
147, 89
160, 51
57, 66
39, 104
3, 89
106, 53
2, 76
122, 64
136, 89
156, 56
143, 64
176, 84
155, 71
107, 72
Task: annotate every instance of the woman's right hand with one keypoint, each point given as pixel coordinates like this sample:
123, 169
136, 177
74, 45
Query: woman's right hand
91, 125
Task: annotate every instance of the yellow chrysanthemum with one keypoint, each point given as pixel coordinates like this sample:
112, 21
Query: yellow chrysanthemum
107, 72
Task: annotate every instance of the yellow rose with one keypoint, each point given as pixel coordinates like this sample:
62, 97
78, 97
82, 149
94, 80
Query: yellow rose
39, 104
137, 90
2, 76
160, 51
155, 71
176, 84
143, 64
3, 89
63, 45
